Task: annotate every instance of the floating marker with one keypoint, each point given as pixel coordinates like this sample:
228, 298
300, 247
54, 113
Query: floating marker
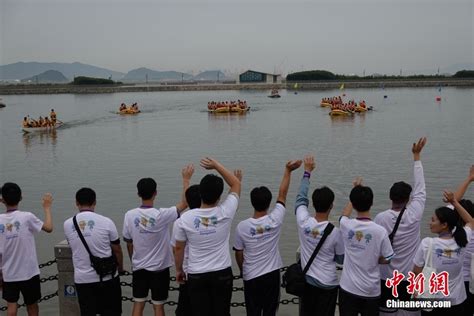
385, 96
438, 98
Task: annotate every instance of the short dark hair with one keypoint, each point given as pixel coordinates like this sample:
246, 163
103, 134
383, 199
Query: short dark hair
85, 196
322, 199
11, 193
146, 188
260, 198
400, 192
193, 198
361, 198
211, 188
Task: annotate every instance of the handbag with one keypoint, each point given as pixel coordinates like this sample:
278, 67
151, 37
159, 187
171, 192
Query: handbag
103, 266
293, 280
427, 270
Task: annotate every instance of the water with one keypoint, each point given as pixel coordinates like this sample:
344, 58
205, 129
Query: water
110, 153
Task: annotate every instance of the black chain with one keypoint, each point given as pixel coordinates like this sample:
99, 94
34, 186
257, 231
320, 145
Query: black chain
50, 278
294, 300
47, 264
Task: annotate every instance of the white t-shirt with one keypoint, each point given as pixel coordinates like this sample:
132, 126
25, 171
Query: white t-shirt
310, 231
364, 243
447, 256
98, 231
148, 230
258, 238
467, 258
407, 237
206, 232
186, 249
17, 241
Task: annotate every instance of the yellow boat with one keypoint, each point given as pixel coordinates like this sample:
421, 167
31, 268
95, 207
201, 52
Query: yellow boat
340, 113
360, 109
325, 105
227, 109
128, 111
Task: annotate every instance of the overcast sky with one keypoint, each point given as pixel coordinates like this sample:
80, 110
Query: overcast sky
348, 36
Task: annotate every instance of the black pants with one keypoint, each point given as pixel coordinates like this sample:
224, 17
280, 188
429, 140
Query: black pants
352, 305
184, 303
211, 292
453, 310
100, 298
469, 302
318, 301
262, 294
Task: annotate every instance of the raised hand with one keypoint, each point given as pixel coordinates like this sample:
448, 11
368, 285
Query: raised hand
293, 165
309, 163
471, 173
357, 181
238, 174
47, 200
188, 171
208, 163
448, 197
417, 147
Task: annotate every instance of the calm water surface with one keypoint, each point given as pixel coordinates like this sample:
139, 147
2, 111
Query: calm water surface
110, 153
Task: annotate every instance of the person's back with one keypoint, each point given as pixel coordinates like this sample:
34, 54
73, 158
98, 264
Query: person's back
96, 295
256, 247
19, 260
321, 287
366, 244
206, 232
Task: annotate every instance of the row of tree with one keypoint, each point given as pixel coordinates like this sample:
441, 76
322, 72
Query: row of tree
322, 75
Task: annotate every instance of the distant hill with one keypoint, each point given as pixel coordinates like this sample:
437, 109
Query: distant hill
22, 70
49, 76
211, 75
141, 74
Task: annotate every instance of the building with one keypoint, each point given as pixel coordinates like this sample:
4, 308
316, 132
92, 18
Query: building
251, 76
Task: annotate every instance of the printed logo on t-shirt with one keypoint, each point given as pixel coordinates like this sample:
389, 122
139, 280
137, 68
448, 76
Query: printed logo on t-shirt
260, 229
311, 232
144, 221
359, 236
82, 226
9, 228
448, 253
205, 225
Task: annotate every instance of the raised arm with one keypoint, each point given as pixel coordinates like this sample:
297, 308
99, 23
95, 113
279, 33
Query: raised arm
285, 181
466, 217
464, 185
302, 197
186, 173
347, 211
229, 177
418, 196
417, 148
48, 220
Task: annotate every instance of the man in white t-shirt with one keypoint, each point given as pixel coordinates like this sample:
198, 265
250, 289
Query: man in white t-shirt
18, 249
193, 198
206, 231
146, 232
366, 244
256, 248
96, 295
322, 284
406, 239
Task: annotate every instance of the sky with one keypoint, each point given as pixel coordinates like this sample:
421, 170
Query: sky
278, 36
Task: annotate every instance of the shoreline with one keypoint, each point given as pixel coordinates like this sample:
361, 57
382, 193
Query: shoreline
156, 87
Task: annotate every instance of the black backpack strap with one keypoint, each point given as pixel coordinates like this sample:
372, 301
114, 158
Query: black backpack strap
397, 223
326, 233
79, 233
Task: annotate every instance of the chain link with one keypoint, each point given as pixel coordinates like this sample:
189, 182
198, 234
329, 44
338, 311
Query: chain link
47, 264
294, 300
44, 298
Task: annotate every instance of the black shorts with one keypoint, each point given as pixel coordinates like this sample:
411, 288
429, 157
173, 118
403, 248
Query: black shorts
156, 281
30, 289
104, 298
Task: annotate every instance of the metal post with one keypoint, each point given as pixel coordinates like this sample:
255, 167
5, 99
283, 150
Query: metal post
68, 303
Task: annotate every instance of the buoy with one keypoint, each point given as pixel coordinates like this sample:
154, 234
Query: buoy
438, 98
385, 96
343, 94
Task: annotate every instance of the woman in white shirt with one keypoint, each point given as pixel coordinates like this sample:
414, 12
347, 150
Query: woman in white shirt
448, 251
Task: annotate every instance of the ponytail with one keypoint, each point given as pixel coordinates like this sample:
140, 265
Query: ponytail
460, 236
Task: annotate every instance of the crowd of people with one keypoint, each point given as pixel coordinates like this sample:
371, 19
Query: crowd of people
349, 106
372, 249
239, 104
41, 121
123, 107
